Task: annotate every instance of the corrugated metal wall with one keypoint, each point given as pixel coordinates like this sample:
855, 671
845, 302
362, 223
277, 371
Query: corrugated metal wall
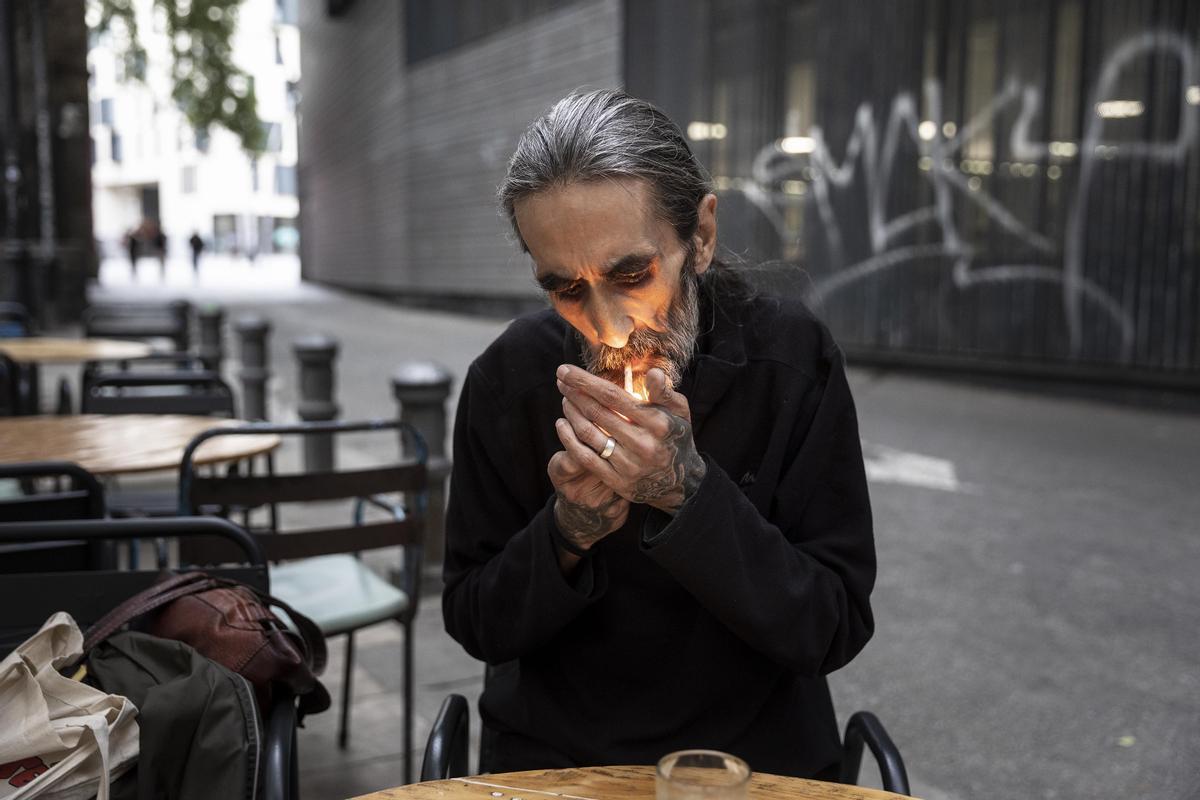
399, 163
1009, 183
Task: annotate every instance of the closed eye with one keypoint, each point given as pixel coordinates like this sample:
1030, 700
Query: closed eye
572, 291
630, 278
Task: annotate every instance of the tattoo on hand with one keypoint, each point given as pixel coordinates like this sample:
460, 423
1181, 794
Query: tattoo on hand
670, 486
584, 524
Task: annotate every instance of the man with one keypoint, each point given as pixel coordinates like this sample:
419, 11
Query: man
658, 574
197, 245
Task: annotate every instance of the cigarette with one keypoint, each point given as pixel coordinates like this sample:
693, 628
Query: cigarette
629, 378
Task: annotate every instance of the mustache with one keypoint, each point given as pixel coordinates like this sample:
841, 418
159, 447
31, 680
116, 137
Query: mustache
670, 350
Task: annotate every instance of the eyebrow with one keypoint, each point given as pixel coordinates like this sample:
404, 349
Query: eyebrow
626, 265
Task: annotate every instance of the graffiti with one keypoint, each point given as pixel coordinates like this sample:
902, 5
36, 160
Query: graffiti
873, 157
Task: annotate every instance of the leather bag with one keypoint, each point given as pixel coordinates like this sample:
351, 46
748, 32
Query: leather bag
232, 624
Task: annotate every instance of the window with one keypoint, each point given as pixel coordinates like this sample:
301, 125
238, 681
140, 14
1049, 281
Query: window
225, 233
285, 13
106, 111
278, 50
115, 152
254, 175
201, 140
293, 96
273, 133
285, 180
437, 26
188, 180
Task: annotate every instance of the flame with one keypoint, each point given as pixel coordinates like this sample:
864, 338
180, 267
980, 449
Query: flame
635, 384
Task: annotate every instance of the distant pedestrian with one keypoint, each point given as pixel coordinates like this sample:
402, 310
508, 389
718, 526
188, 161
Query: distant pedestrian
197, 245
131, 244
160, 244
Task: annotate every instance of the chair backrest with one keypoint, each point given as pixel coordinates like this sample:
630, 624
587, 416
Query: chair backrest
51, 490
28, 599
198, 393
11, 404
14, 320
404, 526
448, 742
82, 498
154, 363
141, 321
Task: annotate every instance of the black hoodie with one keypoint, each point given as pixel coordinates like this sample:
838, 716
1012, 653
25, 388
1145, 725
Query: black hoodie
713, 629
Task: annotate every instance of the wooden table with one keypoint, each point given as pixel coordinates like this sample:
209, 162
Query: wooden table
110, 444
607, 783
47, 350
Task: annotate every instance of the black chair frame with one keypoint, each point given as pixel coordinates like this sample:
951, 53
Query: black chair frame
198, 493
82, 499
447, 746
27, 600
205, 393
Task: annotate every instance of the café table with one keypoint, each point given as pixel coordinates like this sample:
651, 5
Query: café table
51, 350
33, 351
119, 444
607, 783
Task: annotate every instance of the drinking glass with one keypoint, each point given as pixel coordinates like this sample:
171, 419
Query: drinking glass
701, 775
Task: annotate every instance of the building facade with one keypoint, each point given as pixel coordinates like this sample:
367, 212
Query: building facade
152, 170
46, 249
995, 185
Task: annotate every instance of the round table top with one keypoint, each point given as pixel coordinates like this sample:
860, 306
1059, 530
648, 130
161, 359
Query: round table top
109, 444
49, 350
607, 783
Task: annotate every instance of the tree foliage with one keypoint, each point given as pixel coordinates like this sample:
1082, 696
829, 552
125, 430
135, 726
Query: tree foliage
208, 87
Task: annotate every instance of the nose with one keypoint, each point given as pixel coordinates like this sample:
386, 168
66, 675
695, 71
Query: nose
610, 323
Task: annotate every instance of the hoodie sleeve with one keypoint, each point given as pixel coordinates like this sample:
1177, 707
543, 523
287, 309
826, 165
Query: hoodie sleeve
504, 592
795, 583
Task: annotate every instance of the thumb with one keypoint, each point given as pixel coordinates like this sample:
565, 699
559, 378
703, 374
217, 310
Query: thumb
660, 393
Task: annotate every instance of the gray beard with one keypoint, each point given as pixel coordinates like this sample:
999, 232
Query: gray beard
671, 351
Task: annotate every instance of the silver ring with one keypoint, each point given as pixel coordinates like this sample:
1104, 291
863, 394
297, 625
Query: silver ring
609, 446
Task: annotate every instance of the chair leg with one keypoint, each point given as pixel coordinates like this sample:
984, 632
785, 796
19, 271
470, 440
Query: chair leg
408, 702
347, 673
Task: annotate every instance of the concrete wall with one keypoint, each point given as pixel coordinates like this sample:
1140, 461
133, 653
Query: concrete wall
398, 165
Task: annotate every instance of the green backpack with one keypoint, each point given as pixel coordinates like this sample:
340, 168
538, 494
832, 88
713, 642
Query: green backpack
201, 735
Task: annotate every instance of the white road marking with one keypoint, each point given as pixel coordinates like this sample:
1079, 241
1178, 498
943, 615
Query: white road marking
889, 465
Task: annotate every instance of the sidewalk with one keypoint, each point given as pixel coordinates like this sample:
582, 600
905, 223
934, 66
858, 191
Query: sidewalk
1036, 606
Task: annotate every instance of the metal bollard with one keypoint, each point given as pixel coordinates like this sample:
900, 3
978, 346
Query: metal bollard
315, 354
181, 312
252, 334
210, 320
421, 389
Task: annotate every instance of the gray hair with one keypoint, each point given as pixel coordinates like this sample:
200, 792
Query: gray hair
602, 134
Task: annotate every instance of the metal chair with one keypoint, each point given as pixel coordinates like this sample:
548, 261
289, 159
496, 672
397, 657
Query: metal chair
199, 393
151, 364
14, 320
29, 599
141, 321
51, 490
321, 574
12, 388
446, 748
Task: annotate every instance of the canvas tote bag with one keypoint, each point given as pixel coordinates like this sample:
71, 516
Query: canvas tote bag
59, 738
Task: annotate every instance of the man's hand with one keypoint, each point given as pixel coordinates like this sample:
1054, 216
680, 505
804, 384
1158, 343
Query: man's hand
585, 509
655, 460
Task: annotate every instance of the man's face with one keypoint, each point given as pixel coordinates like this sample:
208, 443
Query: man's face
616, 272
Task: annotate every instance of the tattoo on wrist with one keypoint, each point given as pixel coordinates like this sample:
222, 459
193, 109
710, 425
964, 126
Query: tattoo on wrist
669, 487
582, 524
